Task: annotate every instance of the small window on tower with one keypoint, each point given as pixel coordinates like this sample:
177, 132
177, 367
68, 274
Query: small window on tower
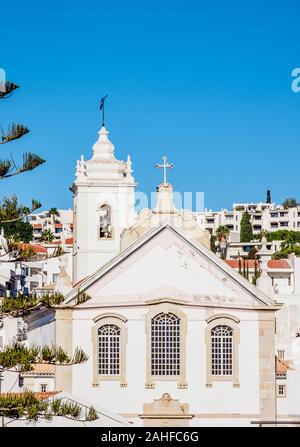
105, 227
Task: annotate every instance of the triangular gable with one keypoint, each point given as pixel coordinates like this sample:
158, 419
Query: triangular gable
171, 264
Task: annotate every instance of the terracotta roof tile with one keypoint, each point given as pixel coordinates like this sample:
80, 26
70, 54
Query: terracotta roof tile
272, 264
281, 366
37, 248
234, 263
279, 264
69, 241
41, 369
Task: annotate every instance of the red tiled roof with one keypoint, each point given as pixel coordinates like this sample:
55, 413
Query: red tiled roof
281, 366
250, 263
58, 225
41, 369
37, 225
279, 264
37, 248
69, 241
234, 263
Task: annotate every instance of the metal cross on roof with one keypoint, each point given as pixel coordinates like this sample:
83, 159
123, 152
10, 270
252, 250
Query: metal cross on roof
165, 166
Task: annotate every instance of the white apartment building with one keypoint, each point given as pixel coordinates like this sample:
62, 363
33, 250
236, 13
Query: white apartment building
39, 275
264, 216
61, 225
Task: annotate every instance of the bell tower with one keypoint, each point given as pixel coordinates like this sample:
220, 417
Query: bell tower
103, 194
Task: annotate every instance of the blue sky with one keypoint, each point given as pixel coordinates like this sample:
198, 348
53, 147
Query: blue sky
206, 83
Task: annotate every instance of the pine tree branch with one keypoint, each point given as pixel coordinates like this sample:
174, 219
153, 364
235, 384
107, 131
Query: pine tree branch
27, 406
7, 88
23, 358
30, 162
14, 132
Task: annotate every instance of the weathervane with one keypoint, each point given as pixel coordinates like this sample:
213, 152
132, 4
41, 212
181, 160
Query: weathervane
164, 166
102, 103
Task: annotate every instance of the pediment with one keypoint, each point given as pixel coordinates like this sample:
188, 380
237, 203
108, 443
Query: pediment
168, 265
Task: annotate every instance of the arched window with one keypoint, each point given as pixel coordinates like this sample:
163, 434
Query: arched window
165, 345
109, 342
105, 226
222, 351
222, 338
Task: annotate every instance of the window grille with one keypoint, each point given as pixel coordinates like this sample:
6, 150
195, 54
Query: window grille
222, 350
109, 340
165, 345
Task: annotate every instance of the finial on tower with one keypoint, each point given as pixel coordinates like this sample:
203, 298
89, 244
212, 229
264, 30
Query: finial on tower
164, 166
102, 104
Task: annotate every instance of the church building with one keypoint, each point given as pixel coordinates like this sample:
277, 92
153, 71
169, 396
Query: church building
174, 336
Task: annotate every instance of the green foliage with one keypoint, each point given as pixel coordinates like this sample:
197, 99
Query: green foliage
222, 232
252, 253
91, 415
7, 88
54, 213
22, 304
213, 243
28, 406
47, 236
11, 219
285, 252
246, 234
240, 266
18, 231
14, 132
290, 202
22, 358
82, 297
257, 273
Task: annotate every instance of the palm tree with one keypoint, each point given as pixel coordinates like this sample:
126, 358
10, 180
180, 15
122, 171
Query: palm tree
26, 212
222, 234
289, 242
54, 213
47, 236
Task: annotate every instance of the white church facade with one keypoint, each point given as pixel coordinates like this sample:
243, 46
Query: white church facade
174, 335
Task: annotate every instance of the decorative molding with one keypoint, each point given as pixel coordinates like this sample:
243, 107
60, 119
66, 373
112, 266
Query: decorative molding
109, 315
218, 316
